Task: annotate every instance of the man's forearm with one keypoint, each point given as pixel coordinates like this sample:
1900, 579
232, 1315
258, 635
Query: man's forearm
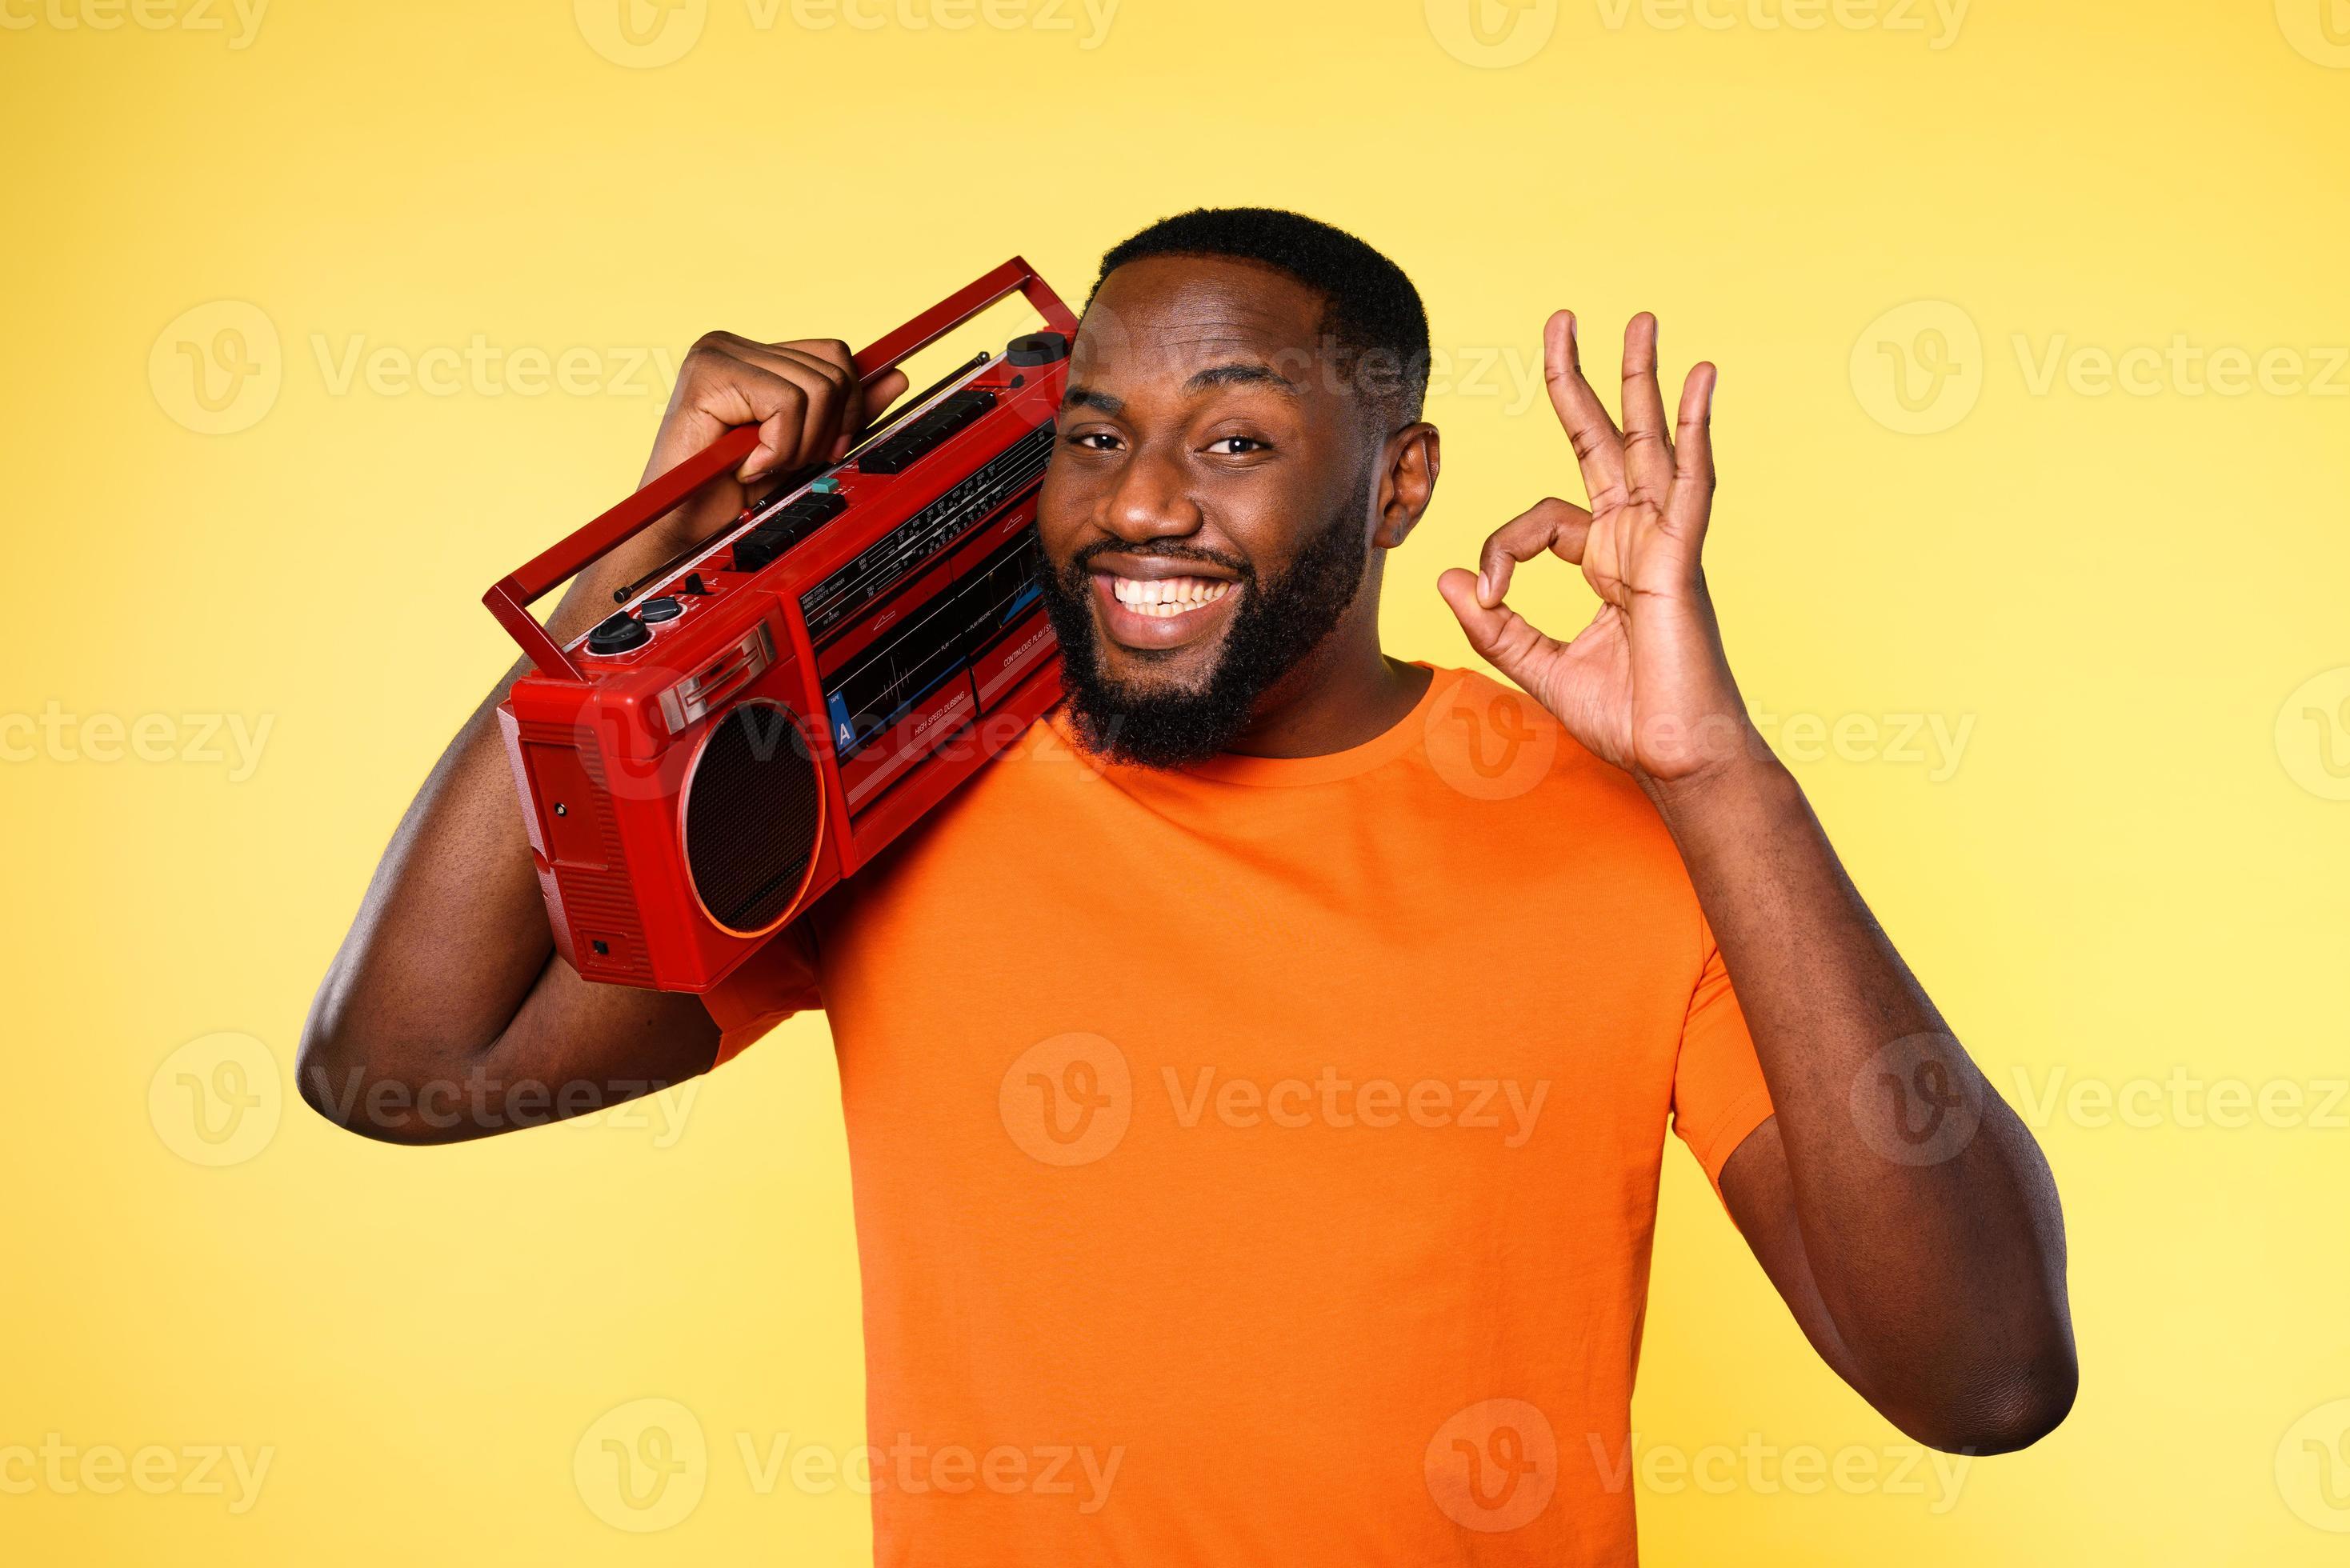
1929, 1217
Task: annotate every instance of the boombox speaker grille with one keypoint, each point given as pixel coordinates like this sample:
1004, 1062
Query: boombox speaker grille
753, 808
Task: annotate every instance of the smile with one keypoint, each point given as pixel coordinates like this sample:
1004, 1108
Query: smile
1167, 597
1160, 611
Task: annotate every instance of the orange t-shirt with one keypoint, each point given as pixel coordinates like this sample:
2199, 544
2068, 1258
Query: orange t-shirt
1258, 1163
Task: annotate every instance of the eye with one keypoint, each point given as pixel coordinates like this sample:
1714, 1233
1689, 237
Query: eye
1092, 440
1237, 446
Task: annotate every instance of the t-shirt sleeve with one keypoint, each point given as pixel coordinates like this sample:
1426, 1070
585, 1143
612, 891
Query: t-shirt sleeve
779, 980
1719, 1095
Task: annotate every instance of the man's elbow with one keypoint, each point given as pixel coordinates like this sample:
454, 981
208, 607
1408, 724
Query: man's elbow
2010, 1411
338, 1072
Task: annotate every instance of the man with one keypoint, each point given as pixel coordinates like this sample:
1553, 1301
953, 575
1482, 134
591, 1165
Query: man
1256, 1081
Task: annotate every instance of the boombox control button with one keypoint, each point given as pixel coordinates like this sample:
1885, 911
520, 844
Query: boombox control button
618, 634
660, 609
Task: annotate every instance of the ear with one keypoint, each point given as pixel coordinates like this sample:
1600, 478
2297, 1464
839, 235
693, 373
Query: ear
1412, 460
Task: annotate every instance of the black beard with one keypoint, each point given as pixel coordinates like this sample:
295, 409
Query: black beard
1275, 626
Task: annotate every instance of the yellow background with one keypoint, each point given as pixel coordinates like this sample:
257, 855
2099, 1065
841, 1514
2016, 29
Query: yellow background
2135, 866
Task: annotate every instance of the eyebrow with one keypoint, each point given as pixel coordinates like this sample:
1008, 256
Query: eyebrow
1239, 373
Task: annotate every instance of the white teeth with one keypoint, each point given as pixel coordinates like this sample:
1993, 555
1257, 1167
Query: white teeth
1161, 597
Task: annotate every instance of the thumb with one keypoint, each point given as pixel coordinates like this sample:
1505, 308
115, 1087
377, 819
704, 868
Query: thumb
878, 394
1502, 636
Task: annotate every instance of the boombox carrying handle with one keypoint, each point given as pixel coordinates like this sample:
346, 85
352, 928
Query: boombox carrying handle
511, 600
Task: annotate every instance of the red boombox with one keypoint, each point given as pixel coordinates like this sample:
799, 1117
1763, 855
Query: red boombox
764, 714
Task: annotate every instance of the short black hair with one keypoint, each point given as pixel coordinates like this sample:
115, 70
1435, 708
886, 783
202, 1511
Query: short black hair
1375, 324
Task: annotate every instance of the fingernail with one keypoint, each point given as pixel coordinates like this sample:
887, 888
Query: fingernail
1484, 588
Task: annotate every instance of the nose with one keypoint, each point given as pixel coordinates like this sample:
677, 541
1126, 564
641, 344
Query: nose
1149, 501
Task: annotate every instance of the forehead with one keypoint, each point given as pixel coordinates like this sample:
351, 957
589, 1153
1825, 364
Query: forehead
1169, 317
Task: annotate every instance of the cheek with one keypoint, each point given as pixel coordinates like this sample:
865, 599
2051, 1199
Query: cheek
1062, 507
1268, 524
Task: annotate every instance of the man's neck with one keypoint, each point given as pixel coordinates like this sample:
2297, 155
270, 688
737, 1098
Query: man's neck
1346, 692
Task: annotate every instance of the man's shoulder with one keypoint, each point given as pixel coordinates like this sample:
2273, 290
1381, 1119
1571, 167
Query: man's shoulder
1490, 742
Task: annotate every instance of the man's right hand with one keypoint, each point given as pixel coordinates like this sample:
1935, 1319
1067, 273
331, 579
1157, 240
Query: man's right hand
803, 395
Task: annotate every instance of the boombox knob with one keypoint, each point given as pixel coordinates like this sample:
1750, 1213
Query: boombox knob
1038, 348
618, 634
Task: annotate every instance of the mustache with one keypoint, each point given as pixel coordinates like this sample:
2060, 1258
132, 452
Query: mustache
1163, 549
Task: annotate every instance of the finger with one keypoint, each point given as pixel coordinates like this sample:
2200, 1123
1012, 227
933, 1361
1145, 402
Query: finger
1599, 448
725, 390
1690, 505
872, 401
1648, 458
844, 411
1558, 527
823, 370
1502, 636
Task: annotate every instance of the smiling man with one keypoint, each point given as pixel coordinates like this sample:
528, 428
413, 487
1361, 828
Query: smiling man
1256, 1081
